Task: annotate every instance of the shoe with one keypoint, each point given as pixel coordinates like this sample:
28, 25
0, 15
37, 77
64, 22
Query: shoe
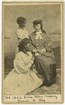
49, 82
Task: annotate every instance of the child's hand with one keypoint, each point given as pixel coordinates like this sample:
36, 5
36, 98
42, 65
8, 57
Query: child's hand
32, 59
30, 64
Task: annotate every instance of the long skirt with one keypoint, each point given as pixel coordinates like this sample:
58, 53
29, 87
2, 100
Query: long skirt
46, 66
21, 84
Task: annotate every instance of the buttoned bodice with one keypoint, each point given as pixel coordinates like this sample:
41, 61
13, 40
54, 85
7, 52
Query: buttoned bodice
41, 42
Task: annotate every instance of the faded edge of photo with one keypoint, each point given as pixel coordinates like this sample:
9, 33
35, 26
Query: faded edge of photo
62, 49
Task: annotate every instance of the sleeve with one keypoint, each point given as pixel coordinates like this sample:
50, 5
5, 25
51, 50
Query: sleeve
18, 34
32, 40
20, 66
48, 44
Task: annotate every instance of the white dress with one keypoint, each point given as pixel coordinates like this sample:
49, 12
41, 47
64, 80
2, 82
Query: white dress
21, 34
21, 80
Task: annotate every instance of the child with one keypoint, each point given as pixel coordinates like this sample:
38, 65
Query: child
21, 31
22, 79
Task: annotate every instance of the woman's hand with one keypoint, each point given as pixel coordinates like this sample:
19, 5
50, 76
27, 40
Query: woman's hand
35, 50
42, 51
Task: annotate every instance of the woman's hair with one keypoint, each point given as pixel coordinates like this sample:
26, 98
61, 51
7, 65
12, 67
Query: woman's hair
39, 21
21, 21
23, 43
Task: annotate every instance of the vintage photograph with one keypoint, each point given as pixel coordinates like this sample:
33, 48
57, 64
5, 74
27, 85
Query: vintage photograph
32, 44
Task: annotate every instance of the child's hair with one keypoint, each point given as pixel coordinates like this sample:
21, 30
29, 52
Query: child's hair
21, 21
39, 21
23, 43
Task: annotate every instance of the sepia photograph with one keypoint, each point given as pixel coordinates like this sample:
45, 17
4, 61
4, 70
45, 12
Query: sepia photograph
32, 46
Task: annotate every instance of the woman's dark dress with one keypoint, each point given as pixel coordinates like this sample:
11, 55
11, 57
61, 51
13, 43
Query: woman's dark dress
45, 63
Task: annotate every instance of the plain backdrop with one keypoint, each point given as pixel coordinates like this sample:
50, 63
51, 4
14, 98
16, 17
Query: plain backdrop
50, 14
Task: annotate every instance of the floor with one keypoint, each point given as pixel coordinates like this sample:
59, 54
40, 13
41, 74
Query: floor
54, 89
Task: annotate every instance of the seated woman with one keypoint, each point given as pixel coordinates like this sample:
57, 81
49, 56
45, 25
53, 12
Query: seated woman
22, 80
44, 56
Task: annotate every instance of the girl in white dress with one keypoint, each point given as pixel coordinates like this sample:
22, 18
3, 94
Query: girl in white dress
22, 79
21, 31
